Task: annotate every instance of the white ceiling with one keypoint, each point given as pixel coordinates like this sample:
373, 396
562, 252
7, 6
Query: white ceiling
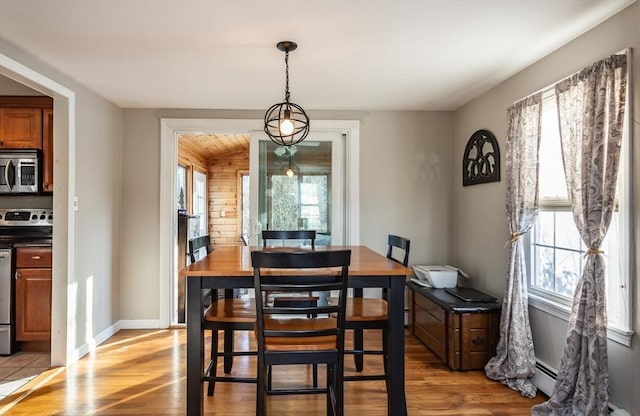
352, 54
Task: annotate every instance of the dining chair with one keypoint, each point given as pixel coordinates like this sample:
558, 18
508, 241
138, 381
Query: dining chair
227, 314
371, 313
294, 335
285, 236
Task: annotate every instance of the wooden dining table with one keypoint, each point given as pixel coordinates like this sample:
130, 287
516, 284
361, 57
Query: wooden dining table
229, 267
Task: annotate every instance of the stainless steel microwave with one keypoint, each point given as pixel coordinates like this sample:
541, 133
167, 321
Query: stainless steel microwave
20, 171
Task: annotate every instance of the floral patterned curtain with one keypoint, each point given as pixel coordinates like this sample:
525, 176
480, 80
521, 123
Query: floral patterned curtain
591, 106
514, 363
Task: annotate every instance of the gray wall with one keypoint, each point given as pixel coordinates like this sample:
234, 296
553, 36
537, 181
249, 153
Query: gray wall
405, 179
94, 273
480, 222
11, 87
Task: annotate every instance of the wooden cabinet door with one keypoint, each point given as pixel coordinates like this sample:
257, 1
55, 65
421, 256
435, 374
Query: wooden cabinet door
21, 128
47, 150
33, 304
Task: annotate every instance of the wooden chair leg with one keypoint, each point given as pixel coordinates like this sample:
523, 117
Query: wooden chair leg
385, 359
228, 347
358, 345
331, 399
214, 360
261, 390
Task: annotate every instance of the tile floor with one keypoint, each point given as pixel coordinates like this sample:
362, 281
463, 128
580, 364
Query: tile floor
20, 368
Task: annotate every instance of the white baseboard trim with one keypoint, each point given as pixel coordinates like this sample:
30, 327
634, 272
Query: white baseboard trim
140, 324
545, 378
92, 343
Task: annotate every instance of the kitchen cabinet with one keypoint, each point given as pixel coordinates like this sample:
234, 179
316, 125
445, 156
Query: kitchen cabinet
21, 128
27, 123
462, 334
33, 293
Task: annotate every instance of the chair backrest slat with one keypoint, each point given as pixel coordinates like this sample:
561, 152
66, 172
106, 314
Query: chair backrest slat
195, 244
399, 243
288, 235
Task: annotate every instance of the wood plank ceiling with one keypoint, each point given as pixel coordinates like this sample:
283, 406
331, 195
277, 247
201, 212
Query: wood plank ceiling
214, 146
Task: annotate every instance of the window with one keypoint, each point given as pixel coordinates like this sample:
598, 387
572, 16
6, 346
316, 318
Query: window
556, 255
243, 205
313, 203
181, 186
300, 202
200, 200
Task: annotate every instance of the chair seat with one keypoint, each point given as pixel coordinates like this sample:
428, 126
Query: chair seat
299, 344
364, 309
231, 310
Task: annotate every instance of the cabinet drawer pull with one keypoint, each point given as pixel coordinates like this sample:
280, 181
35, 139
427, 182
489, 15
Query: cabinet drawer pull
35, 257
478, 341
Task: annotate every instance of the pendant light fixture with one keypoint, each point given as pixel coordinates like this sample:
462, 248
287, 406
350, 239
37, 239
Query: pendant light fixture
286, 123
292, 169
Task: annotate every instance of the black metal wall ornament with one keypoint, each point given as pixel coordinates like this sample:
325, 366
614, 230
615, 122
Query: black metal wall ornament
481, 161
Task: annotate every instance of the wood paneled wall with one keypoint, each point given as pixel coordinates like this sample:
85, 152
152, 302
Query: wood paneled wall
223, 197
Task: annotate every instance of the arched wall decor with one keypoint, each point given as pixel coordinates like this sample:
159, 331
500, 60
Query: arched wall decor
481, 161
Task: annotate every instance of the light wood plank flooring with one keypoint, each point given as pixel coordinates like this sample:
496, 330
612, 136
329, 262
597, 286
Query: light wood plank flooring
143, 373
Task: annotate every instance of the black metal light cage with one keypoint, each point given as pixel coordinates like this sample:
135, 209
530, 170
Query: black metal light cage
286, 110
278, 112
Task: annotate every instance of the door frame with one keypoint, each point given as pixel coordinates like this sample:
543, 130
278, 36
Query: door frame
170, 127
63, 290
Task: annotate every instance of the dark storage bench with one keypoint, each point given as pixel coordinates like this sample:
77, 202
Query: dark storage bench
463, 334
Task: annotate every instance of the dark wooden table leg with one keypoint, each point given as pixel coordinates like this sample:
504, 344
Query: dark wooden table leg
397, 404
195, 347
358, 338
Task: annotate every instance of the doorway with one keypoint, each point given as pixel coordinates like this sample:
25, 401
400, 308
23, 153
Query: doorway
170, 128
63, 350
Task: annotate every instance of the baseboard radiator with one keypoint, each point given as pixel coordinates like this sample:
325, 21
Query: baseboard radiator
545, 378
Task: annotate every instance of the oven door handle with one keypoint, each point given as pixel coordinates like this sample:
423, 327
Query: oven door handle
9, 175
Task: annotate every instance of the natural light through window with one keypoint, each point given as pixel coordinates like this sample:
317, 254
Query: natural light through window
200, 200
556, 257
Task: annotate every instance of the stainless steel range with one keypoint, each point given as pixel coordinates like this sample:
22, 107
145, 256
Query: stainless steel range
17, 227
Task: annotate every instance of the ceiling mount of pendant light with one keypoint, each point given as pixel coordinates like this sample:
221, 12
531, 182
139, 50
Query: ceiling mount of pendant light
286, 123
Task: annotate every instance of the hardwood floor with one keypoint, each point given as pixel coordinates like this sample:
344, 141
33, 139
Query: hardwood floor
143, 373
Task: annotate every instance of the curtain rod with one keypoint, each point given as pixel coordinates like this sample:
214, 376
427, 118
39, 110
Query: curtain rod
543, 90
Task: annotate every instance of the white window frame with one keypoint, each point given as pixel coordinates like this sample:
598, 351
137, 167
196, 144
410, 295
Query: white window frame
242, 205
560, 306
200, 200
